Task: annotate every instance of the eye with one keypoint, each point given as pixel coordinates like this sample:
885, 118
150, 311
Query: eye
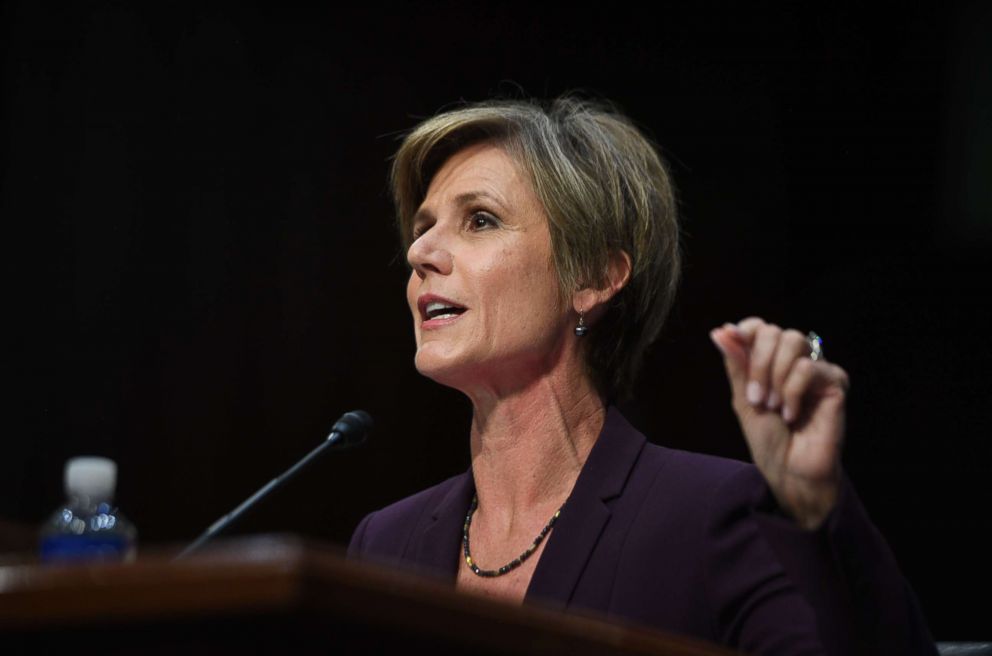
482, 221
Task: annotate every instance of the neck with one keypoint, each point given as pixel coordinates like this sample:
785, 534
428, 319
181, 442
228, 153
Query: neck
528, 447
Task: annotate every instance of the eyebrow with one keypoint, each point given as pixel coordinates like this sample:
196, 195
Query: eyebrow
462, 199
471, 196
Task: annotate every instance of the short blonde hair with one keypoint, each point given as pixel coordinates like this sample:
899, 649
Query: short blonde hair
604, 188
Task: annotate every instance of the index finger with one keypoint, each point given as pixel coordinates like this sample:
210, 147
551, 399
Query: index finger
748, 328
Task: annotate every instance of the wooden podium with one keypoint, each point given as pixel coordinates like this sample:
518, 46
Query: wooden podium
279, 595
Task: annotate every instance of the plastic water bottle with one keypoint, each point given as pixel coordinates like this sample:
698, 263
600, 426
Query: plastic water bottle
88, 526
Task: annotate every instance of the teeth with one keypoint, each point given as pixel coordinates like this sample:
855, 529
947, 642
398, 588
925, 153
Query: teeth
437, 310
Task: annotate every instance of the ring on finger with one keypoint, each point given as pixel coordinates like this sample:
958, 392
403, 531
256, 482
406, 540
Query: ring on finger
815, 346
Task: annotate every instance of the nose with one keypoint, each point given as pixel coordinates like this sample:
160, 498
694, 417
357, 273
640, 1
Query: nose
430, 253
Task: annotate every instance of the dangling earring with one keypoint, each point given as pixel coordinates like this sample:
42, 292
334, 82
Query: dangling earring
581, 329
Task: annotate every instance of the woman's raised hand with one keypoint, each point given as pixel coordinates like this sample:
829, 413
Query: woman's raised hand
791, 409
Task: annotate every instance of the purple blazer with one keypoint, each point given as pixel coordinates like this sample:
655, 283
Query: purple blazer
685, 543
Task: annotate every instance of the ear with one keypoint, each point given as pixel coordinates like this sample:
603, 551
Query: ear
592, 300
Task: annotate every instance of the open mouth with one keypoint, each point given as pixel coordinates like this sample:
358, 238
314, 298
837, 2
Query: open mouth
439, 310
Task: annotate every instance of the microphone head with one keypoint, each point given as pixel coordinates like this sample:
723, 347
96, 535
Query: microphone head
353, 427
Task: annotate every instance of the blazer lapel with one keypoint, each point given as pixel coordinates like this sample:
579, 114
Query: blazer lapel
586, 513
439, 545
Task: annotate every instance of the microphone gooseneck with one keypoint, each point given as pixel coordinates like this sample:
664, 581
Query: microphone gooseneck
350, 430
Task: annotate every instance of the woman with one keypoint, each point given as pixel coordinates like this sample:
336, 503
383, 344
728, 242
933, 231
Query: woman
544, 255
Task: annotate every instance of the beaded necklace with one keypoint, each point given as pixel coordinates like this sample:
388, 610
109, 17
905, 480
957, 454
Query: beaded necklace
513, 564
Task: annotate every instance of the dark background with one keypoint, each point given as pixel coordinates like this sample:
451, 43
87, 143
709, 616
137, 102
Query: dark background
201, 272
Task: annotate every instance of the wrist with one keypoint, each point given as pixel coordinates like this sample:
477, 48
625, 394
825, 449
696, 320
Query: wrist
811, 505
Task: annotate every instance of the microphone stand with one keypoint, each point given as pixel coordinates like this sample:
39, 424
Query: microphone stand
351, 428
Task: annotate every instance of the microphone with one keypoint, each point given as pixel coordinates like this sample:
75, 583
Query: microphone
350, 430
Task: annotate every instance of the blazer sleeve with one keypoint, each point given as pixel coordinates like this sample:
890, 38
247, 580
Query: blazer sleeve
356, 547
841, 583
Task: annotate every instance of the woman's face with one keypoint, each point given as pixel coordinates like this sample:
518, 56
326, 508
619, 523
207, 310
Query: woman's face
483, 291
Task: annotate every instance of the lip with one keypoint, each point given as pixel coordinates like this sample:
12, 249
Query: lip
426, 299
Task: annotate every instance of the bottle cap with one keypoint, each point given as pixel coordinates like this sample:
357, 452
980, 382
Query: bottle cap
91, 476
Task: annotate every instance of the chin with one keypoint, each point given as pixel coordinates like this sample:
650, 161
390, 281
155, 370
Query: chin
444, 370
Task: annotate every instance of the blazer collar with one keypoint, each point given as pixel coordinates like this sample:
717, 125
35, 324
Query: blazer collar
441, 542
577, 531
586, 513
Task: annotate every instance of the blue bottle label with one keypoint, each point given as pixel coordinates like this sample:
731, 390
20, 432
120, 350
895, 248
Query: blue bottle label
83, 547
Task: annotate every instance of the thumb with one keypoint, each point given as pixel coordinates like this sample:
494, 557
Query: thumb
735, 359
